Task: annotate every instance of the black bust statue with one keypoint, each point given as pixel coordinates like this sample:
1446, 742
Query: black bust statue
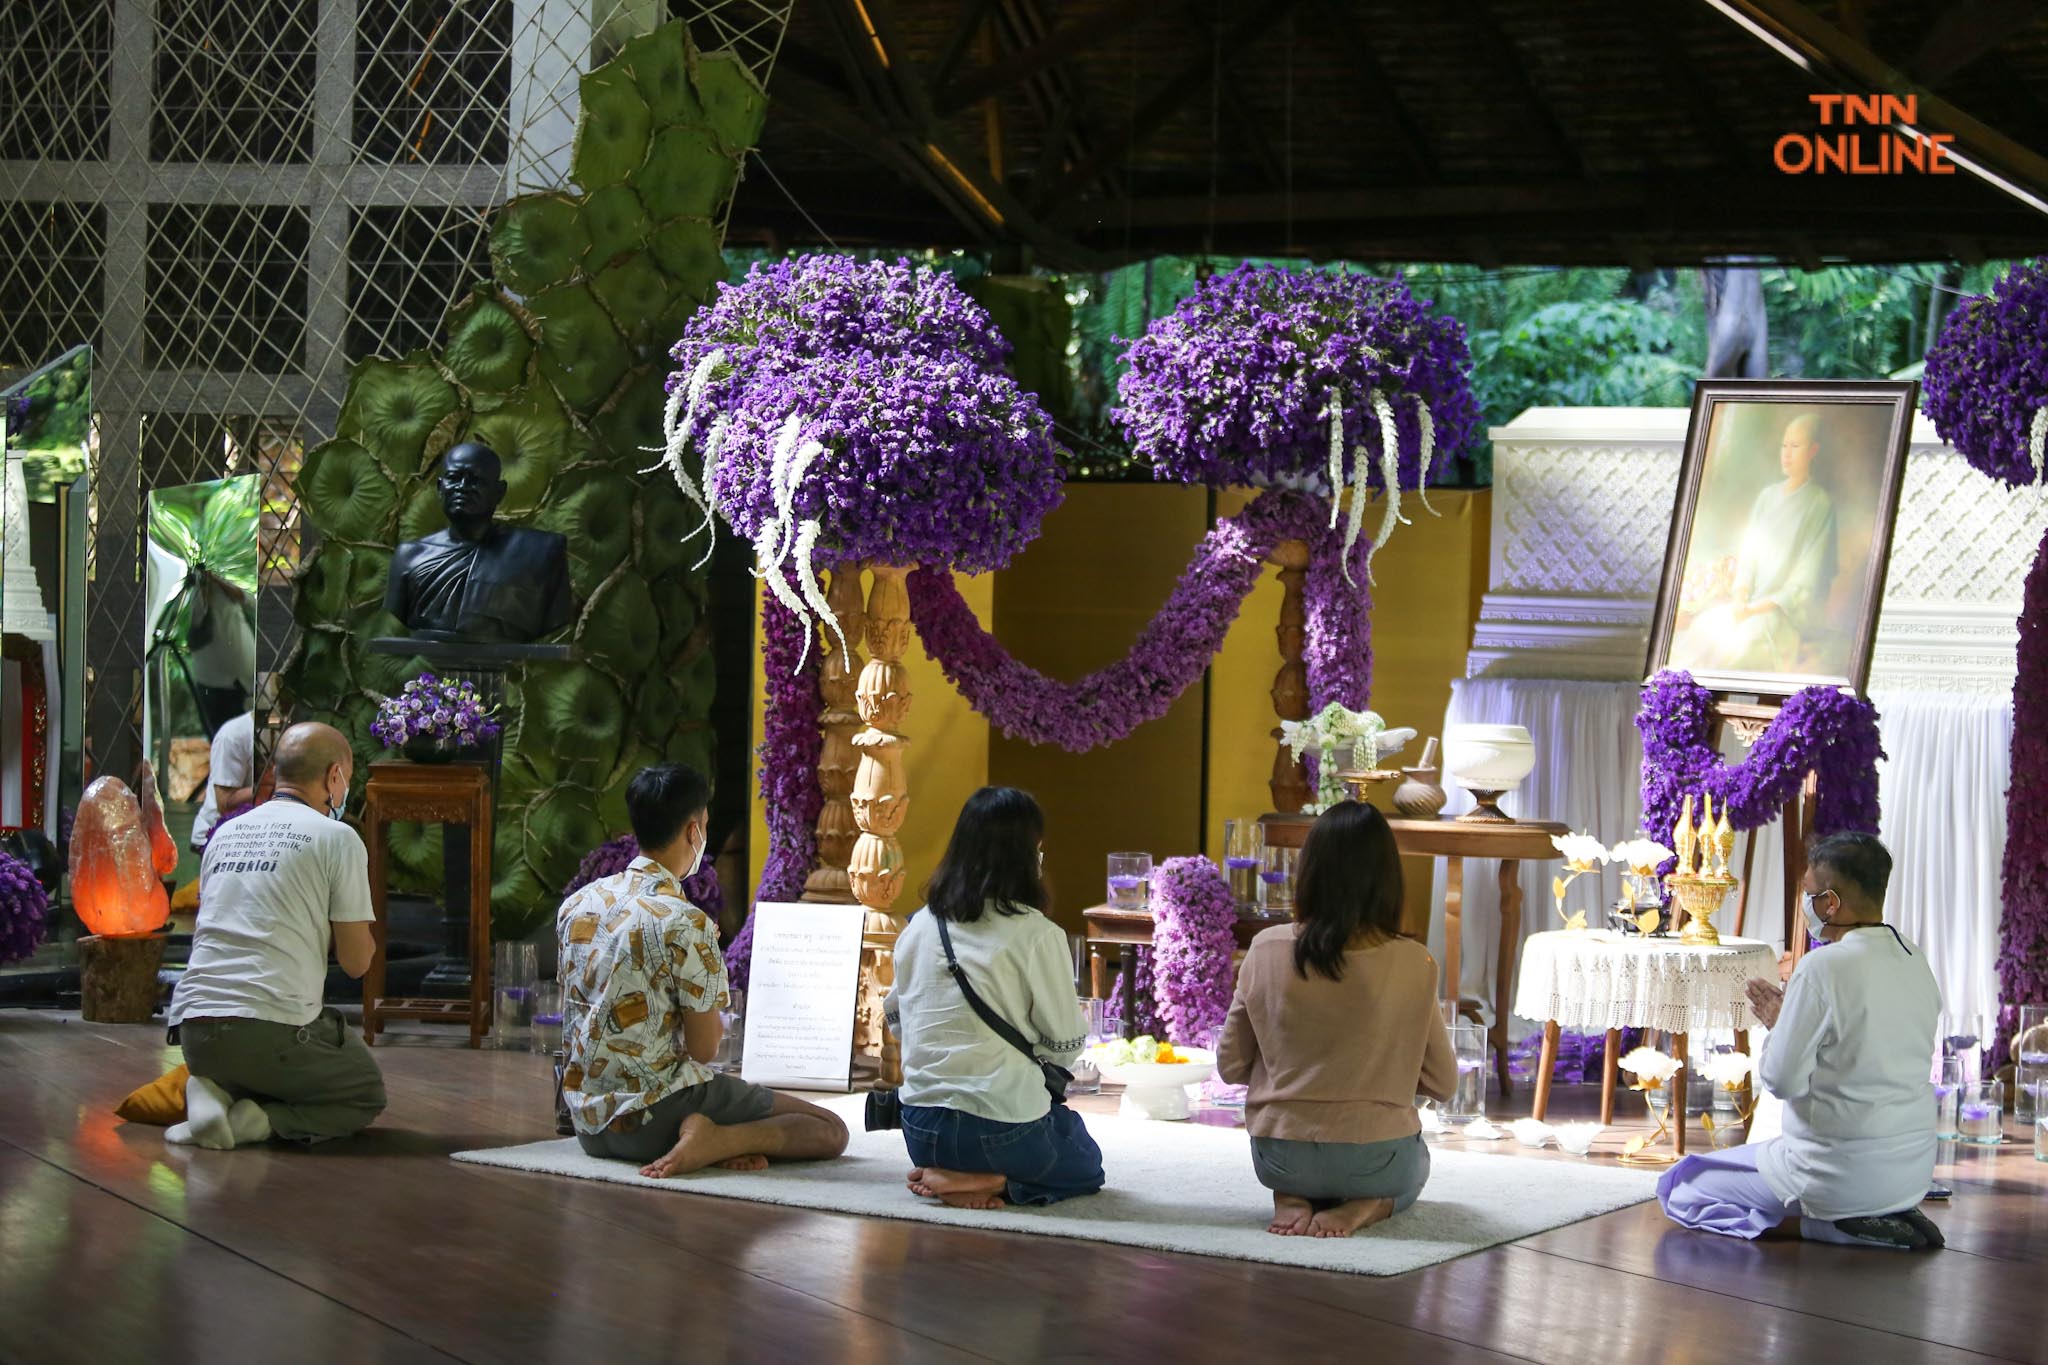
479, 580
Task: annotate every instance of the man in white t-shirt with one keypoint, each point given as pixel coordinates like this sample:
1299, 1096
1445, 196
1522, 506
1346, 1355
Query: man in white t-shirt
230, 776
275, 889
1849, 1055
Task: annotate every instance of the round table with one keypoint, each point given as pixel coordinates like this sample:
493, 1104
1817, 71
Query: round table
1597, 979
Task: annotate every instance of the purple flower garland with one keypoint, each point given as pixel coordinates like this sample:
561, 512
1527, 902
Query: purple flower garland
1986, 389
791, 745
1193, 940
1175, 647
24, 907
1822, 730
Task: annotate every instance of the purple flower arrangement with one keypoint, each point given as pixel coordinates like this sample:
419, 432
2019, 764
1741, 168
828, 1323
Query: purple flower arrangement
791, 745
1193, 940
431, 709
24, 910
910, 443
1986, 389
1986, 379
1175, 647
1822, 730
1308, 379
614, 856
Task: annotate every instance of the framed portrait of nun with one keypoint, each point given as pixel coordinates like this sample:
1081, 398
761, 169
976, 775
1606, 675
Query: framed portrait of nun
1775, 569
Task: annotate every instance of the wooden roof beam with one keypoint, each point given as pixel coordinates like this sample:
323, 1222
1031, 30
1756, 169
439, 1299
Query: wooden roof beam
1479, 15
1377, 88
1017, 67
1056, 200
973, 14
1966, 30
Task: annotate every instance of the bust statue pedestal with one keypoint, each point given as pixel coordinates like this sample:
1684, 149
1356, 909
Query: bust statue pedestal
482, 663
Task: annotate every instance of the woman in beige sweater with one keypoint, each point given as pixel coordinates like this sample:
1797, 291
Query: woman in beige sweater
1335, 1028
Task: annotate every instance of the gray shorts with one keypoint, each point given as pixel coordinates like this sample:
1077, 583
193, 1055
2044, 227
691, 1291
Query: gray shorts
646, 1134
1395, 1169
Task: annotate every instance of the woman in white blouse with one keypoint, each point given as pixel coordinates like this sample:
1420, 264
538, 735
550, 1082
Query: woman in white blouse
979, 1119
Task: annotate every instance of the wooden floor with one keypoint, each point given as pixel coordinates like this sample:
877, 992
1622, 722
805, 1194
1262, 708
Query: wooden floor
114, 1248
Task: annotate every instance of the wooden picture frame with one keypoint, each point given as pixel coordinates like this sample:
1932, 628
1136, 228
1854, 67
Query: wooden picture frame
1774, 571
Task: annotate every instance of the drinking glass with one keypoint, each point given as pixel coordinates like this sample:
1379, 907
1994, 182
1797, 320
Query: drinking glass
1087, 1077
547, 1017
2030, 1064
1243, 840
732, 1044
1948, 1085
2041, 1137
515, 967
1959, 1039
1130, 880
1276, 882
1980, 1113
1468, 1100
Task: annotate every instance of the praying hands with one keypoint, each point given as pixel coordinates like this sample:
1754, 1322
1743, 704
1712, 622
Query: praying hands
1765, 1000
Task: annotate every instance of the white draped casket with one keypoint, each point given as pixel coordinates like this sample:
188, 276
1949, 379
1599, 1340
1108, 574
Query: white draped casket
1582, 504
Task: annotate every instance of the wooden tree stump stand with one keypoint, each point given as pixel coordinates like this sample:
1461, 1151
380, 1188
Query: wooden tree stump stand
117, 977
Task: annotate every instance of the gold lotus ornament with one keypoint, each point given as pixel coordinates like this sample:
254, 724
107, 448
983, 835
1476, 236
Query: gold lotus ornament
1582, 853
1653, 1071
1699, 884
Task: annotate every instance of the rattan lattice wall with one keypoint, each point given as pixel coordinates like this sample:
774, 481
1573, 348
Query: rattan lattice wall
232, 200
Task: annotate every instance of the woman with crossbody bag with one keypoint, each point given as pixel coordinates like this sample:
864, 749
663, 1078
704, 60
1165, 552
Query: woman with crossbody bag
985, 1011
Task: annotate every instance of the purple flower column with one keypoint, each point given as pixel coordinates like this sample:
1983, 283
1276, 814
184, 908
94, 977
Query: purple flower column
2023, 932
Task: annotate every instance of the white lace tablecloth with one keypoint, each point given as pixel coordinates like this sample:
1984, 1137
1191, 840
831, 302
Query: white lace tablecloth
1595, 979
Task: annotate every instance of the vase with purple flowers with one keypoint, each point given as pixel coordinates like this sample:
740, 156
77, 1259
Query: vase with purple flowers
435, 720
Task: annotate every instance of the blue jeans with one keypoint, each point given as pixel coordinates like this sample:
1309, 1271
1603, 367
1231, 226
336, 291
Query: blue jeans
1045, 1161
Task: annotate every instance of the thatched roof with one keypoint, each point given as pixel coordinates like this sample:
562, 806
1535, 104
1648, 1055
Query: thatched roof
1627, 132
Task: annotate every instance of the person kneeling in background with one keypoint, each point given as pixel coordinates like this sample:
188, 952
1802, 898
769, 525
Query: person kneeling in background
1335, 1029
642, 986
979, 1117
276, 885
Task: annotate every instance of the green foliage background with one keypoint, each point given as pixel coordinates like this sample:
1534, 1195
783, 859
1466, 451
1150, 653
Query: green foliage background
557, 362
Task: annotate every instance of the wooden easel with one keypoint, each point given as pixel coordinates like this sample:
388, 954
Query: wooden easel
1747, 721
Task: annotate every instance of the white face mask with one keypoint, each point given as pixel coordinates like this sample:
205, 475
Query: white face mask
698, 861
1813, 920
336, 805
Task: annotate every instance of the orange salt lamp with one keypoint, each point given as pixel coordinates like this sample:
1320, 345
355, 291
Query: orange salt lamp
162, 851
115, 885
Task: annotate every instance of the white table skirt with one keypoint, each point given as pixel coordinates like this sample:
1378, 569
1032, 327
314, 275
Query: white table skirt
1595, 979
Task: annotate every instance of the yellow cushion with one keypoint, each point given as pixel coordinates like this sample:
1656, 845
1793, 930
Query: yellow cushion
187, 900
161, 1102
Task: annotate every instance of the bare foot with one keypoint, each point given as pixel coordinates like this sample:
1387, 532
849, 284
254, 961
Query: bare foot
961, 1189
1349, 1217
753, 1162
694, 1150
1291, 1215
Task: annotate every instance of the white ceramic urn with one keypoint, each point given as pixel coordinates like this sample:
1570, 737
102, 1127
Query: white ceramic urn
1488, 760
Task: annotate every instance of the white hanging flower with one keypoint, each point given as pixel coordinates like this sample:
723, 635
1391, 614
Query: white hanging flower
1390, 475
1427, 421
1649, 1066
1730, 1070
779, 585
678, 422
2037, 443
1336, 416
807, 583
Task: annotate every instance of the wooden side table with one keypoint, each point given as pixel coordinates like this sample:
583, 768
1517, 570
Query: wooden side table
434, 793
1456, 840
1114, 928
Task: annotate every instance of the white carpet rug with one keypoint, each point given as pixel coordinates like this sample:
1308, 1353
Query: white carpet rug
1173, 1187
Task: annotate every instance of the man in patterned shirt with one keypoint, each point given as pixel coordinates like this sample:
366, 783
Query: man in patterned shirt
642, 986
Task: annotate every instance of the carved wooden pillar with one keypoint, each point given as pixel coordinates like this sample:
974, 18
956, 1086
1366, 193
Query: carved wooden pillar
880, 801
837, 683
1289, 783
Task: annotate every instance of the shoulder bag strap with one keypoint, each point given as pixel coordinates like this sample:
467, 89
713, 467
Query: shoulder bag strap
995, 1022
